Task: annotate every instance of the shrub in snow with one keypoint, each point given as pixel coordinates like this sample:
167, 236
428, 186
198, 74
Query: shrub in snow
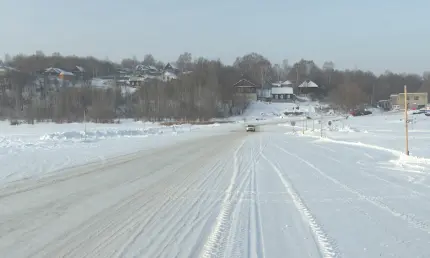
14, 122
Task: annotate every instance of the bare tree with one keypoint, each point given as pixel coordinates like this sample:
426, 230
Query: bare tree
148, 60
348, 96
40, 53
201, 94
7, 58
184, 61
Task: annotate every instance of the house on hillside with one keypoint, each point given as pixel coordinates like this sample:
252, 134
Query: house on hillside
136, 81
170, 72
308, 87
169, 75
79, 72
245, 89
171, 68
148, 69
59, 73
4, 70
54, 77
282, 94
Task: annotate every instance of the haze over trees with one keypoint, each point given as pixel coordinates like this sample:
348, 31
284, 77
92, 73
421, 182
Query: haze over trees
202, 91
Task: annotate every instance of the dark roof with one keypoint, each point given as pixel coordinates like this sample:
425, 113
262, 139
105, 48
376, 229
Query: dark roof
170, 66
244, 82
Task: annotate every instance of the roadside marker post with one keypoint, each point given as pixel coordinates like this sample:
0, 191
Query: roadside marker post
406, 122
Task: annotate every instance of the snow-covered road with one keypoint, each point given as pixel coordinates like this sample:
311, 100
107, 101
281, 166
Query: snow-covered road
233, 194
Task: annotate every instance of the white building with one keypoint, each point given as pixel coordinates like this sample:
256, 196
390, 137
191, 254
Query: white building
282, 94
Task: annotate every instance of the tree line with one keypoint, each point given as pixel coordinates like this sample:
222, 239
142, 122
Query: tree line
203, 89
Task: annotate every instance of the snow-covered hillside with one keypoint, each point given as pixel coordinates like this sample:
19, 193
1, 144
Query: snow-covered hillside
260, 110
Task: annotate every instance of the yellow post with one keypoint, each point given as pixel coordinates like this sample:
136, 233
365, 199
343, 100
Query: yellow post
406, 122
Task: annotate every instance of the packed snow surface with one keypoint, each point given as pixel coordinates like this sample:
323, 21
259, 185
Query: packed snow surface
217, 191
49, 147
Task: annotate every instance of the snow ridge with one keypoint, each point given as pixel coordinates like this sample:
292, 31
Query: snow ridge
403, 158
321, 239
401, 155
102, 134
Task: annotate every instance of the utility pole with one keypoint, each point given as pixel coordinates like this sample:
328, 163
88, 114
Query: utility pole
306, 123
85, 124
406, 122
262, 77
303, 126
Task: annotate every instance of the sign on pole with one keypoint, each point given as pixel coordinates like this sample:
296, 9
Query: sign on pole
406, 122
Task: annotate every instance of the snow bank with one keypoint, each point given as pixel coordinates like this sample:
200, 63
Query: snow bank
380, 132
35, 150
108, 133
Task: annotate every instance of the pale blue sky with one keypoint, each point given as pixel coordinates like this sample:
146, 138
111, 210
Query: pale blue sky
368, 34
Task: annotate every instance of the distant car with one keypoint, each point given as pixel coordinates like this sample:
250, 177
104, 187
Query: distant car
417, 112
358, 112
250, 128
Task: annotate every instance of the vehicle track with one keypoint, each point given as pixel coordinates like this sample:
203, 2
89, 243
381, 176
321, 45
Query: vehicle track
411, 220
145, 195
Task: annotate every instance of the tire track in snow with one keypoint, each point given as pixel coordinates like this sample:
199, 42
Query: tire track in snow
152, 225
370, 218
365, 171
109, 221
136, 212
221, 223
238, 227
243, 228
370, 173
411, 220
259, 247
235, 236
175, 224
320, 237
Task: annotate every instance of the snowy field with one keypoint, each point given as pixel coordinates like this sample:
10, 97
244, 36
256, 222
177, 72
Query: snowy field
267, 111
385, 130
50, 147
40, 149
217, 191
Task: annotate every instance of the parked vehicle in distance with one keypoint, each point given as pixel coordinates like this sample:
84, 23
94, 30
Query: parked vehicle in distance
250, 128
358, 112
420, 111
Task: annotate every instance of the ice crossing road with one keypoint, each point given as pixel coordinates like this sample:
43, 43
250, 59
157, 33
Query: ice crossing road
238, 194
